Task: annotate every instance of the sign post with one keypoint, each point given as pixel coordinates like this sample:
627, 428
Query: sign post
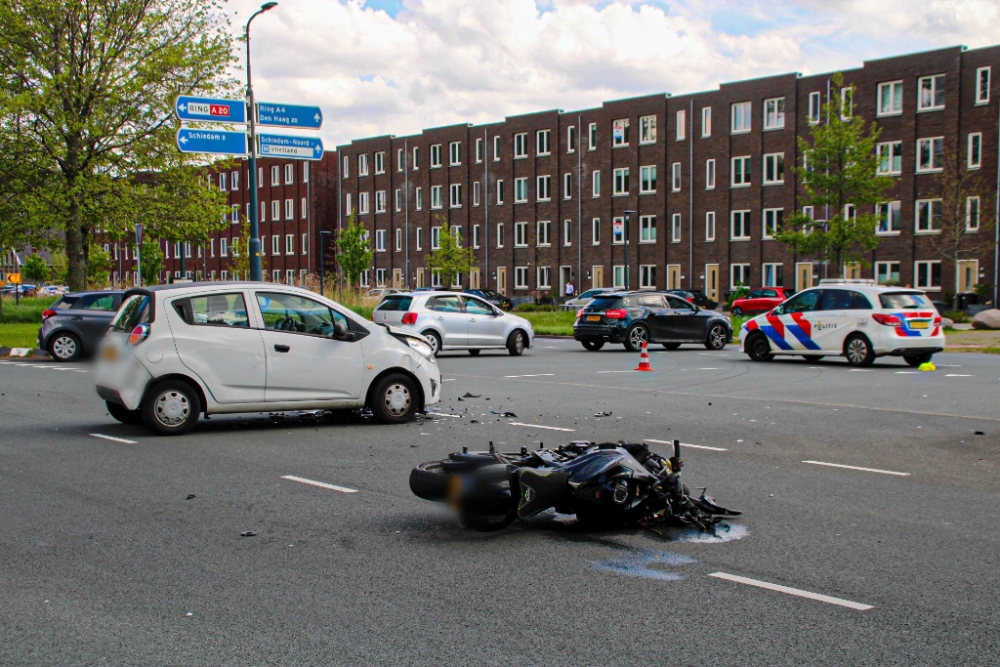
138, 253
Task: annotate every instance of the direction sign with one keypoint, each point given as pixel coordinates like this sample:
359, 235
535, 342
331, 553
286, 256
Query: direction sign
219, 142
299, 148
289, 115
209, 109
14, 278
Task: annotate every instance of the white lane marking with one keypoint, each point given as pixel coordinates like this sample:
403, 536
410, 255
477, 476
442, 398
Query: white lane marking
113, 439
547, 428
86, 370
537, 375
839, 465
449, 380
792, 591
685, 444
955, 375
322, 485
441, 414
701, 369
948, 365
599, 372
860, 370
908, 372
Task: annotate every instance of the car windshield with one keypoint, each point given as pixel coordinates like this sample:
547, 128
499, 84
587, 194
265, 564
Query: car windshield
605, 303
134, 311
589, 294
904, 301
395, 303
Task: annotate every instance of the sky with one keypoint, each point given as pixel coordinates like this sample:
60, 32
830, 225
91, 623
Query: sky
380, 67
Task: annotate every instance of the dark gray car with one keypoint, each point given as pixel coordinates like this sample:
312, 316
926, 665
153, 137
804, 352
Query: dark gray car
74, 325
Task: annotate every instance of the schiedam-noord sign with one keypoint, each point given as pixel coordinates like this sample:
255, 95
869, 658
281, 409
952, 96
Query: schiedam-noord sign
298, 148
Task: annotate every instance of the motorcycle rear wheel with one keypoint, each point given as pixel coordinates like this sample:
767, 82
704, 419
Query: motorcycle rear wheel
429, 481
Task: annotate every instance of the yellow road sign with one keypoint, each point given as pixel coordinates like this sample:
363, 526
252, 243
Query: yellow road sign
14, 278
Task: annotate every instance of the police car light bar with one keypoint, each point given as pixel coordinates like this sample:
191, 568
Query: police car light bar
846, 281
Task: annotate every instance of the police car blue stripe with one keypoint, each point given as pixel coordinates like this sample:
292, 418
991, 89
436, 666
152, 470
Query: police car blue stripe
775, 338
802, 337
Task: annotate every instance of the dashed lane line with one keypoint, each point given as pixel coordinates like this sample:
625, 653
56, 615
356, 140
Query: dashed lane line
113, 438
956, 375
840, 465
792, 591
322, 485
547, 428
537, 375
685, 444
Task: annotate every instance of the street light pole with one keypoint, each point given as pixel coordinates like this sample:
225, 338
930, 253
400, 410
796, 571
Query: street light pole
254, 249
628, 217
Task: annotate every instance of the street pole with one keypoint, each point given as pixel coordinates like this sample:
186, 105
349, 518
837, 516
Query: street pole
254, 249
322, 262
628, 217
138, 253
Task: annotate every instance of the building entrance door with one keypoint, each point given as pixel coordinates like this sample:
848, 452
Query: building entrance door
712, 282
502, 280
803, 276
598, 273
968, 274
673, 276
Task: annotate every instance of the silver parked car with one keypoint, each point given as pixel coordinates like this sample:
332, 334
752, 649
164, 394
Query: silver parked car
453, 321
582, 300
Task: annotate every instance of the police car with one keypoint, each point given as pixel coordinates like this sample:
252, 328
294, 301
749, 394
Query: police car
856, 319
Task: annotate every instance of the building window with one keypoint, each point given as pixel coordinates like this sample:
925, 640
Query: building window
500, 191
379, 201
675, 177
618, 230
435, 238
647, 229
234, 181
224, 247
520, 190
543, 142
399, 240
419, 197
362, 202
475, 236
520, 145
379, 164
222, 182
362, 166
567, 232
972, 214
675, 228
416, 153
930, 94
890, 98
479, 151
496, 149
290, 244
928, 216
346, 170
398, 200
927, 275
740, 117
475, 193
740, 230
595, 231
681, 117
706, 121
435, 279
543, 237
347, 203
887, 273
774, 113
420, 238
275, 245
456, 232
741, 171
455, 195
889, 221
276, 210
455, 153
890, 158
520, 277
975, 159
930, 154
739, 274
846, 102
544, 277
647, 128
619, 275
709, 174
437, 194
619, 133
544, 188
621, 181
647, 276
571, 139
774, 275
276, 173
500, 235
592, 137
597, 183
647, 179
814, 108
774, 169
399, 160
435, 156
567, 186
520, 235
773, 220
236, 214
303, 208
379, 240
710, 225
983, 85
290, 209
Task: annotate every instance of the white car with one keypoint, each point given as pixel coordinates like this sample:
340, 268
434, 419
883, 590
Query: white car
455, 321
174, 352
852, 318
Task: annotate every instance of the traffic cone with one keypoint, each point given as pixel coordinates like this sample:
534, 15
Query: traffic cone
644, 359
927, 366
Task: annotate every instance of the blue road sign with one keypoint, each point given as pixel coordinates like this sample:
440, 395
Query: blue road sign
212, 110
289, 115
220, 142
299, 148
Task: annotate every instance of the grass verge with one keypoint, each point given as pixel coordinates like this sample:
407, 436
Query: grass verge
551, 323
28, 311
18, 335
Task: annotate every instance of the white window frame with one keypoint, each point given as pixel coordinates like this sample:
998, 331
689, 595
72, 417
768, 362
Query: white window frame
479, 150
618, 275
543, 142
222, 181
345, 169
706, 122
772, 220
595, 231
289, 244
418, 198
933, 81
475, 193
567, 186
774, 113
621, 178
595, 183
420, 238
741, 117
894, 91
745, 220
398, 200
981, 73
620, 133
923, 212
890, 153
675, 177
455, 195
616, 239
744, 171
380, 201
305, 244
893, 222
276, 244
363, 207
455, 154
234, 181
571, 139
929, 141
709, 226
520, 277
521, 234
543, 188
476, 239
815, 109
399, 160
916, 275
276, 173
500, 238
647, 179
416, 156
435, 238
276, 210
521, 190
223, 247
676, 228
710, 174
846, 102
521, 146
647, 229
973, 204
437, 197
647, 276
770, 273
398, 246
435, 156
567, 233
543, 233
774, 169
500, 192
362, 167
379, 165
496, 148
680, 120
887, 272
592, 137
647, 129
543, 277
744, 271
974, 149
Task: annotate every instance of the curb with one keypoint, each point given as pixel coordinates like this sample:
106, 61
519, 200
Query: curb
23, 352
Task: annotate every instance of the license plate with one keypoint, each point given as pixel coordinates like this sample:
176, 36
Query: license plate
593, 318
922, 324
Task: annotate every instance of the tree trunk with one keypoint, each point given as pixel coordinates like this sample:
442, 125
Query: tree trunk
76, 276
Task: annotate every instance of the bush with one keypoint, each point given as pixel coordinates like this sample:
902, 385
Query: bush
958, 316
535, 308
28, 311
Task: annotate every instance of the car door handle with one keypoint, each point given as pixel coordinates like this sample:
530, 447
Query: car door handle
281, 348
472, 319
440, 317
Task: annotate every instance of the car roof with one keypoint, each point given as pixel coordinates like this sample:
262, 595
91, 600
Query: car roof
196, 288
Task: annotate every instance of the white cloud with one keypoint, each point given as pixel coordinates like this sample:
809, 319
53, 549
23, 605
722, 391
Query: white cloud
440, 62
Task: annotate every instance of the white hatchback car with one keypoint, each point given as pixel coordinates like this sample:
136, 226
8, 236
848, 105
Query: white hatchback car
176, 351
852, 318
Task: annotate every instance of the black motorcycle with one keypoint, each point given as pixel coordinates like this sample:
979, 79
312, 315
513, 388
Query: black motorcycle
605, 485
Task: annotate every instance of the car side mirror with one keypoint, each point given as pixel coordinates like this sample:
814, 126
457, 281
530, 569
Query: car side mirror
339, 331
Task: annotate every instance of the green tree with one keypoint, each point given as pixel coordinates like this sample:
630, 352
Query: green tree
86, 100
239, 257
355, 253
35, 270
150, 261
450, 258
100, 263
840, 168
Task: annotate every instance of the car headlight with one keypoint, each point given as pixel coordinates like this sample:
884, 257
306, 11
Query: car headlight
421, 347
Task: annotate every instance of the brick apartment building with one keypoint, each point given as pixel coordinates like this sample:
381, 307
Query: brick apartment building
537, 195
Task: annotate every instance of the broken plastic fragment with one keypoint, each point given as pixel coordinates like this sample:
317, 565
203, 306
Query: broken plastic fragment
248, 533
190, 496
602, 413
468, 395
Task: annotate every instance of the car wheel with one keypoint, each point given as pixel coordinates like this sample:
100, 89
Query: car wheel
474, 353
758, 349
394, 400
123, 414
65, 346
171, 408
434, 340
737, 311
593, 345
858, 350
672, 346
516, 343
635, 337
918, 359
717, 337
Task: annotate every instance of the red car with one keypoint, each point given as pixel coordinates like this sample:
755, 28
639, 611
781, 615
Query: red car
761, 300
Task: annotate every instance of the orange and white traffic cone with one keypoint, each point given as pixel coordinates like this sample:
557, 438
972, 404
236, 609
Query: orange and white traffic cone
644, 359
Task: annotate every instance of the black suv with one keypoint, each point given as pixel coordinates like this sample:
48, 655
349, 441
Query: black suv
632, 318
74, 325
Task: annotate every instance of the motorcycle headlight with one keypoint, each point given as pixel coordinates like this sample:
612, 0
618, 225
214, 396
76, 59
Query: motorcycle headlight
421, 347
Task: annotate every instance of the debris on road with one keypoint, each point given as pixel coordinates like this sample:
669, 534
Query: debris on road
248, 533
468, 395
191, 496
602, 413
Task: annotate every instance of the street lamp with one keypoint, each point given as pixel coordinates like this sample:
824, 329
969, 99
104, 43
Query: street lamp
254, 249
625, 241
322, 257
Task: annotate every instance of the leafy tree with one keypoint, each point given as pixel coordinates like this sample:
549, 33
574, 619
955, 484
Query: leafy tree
355, 254
150, 261
839, 168
35, 270
239, 256
450, 258
86, 101
965, 227
100, 263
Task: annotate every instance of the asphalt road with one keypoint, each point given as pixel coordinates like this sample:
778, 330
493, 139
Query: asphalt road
106, 560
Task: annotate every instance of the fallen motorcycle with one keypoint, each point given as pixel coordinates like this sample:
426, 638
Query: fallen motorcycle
605, 485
